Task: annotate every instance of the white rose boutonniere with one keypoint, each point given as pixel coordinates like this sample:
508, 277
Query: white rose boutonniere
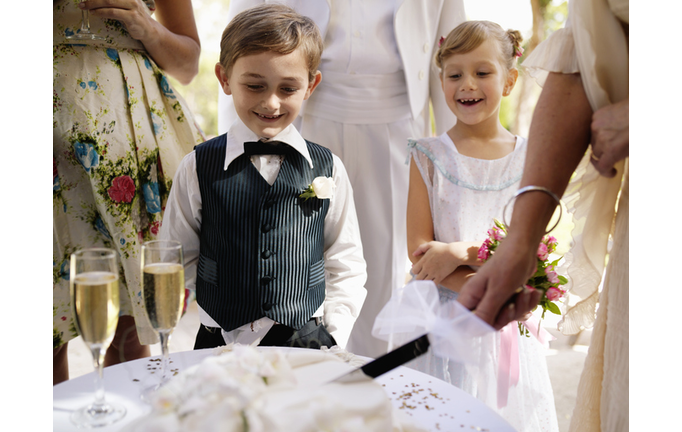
320, 188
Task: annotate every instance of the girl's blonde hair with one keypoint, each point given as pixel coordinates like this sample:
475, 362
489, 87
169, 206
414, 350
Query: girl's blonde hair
470, 35
274, 28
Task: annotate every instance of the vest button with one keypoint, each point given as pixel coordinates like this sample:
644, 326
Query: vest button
269, 203
266, 280
265, 254
267, 306
266, 227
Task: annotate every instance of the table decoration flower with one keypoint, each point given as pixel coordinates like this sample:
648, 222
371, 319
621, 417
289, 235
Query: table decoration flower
320, 188
545, 278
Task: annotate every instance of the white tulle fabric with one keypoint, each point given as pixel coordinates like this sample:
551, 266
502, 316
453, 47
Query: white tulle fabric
415, 309
465, 352
594, 45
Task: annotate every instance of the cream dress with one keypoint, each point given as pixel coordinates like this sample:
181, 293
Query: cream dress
594, 43
465, 195
119, 132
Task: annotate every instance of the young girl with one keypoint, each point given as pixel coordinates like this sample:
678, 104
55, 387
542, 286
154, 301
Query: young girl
459, 182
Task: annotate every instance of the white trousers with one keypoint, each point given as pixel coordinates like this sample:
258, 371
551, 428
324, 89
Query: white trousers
374, 156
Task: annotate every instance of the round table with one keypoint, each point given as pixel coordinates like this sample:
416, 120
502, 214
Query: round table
431, 402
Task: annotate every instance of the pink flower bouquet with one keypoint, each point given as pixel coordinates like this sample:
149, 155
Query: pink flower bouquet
545, 278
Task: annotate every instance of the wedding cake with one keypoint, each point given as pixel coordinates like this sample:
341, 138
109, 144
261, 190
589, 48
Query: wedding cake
243, 388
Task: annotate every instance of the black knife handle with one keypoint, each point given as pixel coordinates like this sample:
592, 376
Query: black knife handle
397, 357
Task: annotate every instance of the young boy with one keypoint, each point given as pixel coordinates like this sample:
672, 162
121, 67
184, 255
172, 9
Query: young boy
256, 251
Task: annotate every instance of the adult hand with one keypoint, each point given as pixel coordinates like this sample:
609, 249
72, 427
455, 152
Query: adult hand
133, 14
436, 263
610, 137
496, 292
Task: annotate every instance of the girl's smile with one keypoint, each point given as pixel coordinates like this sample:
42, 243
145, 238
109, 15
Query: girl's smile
469, 102
474, 84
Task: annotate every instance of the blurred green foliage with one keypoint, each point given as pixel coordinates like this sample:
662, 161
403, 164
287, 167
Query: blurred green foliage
202, 95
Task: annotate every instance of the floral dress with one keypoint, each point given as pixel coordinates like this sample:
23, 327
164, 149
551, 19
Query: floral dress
119, 133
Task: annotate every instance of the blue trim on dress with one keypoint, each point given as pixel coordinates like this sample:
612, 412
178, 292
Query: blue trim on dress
415, 144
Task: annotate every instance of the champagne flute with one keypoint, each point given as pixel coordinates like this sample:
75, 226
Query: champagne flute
163, 290
84, 33
95, 305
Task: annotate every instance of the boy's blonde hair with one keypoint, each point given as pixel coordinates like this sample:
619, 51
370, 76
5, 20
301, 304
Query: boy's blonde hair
272, 27
470, 35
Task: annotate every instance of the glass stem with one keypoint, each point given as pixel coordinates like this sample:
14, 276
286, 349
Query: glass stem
164, 336
98, 360
85, 23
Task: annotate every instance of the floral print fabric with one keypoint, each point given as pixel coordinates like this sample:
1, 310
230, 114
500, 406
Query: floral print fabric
119, 132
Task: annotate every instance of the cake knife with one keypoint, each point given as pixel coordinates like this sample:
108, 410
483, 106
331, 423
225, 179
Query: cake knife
387, 362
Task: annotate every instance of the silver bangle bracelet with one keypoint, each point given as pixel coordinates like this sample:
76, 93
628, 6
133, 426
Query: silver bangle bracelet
531, 189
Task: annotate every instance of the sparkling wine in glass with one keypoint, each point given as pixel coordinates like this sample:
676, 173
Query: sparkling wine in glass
84, 33
95, 305
163, 290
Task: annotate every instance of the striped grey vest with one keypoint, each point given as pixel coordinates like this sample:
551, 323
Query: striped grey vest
261, 250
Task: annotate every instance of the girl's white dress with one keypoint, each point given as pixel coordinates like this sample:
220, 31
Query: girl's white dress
465, 195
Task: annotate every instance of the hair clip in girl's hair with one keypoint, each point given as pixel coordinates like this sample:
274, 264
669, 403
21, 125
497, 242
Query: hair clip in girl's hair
440, 42
518, 52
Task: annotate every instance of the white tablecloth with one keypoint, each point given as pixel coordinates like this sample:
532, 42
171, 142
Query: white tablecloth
431, 402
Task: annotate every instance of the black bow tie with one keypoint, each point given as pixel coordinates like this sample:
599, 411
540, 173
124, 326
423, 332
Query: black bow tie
266, 148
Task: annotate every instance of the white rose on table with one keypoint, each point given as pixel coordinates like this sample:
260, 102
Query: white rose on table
320, 188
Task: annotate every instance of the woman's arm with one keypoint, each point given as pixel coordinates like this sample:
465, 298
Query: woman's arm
171, 40
558, 139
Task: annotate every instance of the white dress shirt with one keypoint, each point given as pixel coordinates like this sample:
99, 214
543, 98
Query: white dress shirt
345, 268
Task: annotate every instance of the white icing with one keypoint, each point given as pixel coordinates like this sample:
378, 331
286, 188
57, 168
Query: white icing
271, 390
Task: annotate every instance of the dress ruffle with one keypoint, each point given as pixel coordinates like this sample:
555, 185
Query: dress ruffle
590, 200
544, 60
465, 171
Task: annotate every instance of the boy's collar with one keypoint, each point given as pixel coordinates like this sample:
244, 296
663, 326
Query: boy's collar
238, 134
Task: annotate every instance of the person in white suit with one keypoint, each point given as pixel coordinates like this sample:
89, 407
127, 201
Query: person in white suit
378, 79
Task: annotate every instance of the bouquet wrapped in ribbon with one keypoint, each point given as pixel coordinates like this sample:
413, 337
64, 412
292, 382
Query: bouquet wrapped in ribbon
545, 277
